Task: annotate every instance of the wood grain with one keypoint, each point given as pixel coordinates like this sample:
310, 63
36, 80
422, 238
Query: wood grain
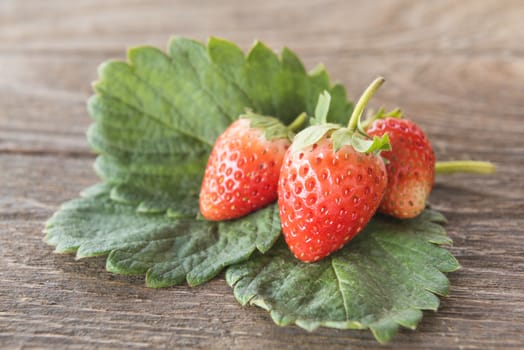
455, 67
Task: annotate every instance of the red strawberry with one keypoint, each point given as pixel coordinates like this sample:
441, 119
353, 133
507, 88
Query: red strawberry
243, 168
327, 197
410, 167
330, 185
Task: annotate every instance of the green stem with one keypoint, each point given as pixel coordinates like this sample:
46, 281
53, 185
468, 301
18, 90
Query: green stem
363, 101
464, 166
298, 122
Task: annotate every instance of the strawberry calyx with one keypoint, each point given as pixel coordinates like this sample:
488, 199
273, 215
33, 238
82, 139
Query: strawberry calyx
353, 134
381, 114
272, 127
361, 143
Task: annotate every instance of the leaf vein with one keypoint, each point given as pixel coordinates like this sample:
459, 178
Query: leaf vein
203, 86
154, 117
339, 284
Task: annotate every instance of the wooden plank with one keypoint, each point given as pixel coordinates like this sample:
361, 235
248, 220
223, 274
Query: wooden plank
380, 26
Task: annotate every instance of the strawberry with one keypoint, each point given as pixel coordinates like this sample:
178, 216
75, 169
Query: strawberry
410, 167
243, 169
327, 197
331, 183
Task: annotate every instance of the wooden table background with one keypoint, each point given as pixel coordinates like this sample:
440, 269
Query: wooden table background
457, 67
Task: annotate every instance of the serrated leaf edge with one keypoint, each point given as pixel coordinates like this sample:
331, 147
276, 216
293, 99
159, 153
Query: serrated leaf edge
382, 334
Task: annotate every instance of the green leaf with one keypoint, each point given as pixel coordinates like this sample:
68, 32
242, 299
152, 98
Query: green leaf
168, 250
156, 118
381, 280
157, 115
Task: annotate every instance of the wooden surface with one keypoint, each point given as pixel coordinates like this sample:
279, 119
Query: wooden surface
456, 67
